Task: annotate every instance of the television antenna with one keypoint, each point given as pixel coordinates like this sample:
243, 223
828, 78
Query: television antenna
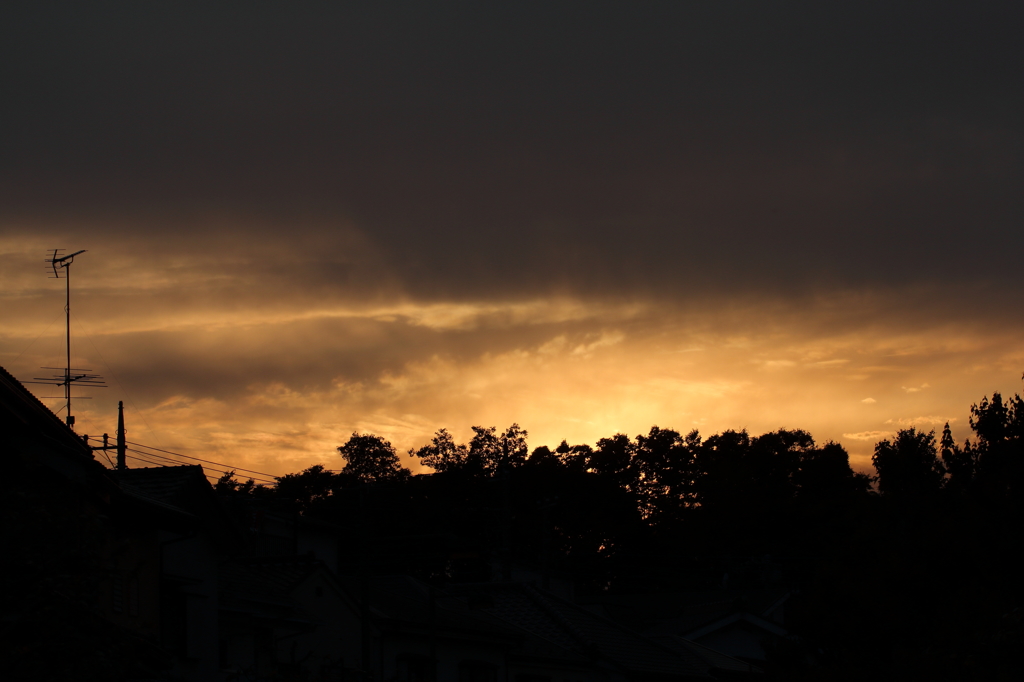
61, 267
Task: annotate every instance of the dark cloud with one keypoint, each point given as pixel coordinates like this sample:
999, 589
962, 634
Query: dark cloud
596, 149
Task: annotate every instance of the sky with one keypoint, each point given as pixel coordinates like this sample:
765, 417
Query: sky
305, 220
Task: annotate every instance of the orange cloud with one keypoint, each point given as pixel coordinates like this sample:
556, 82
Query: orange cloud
271, 377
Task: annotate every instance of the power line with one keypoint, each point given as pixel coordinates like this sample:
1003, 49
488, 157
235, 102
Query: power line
220, 464
179, 462
147, 461
107, 457
164, 465
164, 460
161, 458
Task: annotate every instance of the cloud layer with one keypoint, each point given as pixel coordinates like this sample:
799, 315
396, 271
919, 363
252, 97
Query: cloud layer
306, 221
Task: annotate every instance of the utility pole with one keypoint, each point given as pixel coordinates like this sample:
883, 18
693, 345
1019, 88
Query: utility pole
121, 465
121, 435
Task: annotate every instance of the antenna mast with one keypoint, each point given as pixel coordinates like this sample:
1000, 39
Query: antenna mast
59, 263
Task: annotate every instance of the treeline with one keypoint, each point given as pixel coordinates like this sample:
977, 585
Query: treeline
598, 512
664, 472
729, 494
669, 476
913, 465
910, 573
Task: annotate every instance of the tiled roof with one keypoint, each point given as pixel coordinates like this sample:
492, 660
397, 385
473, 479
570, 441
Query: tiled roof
164, 484
264, 580
691, 618
715, 659
405, 600
263, 589
183, 489
614, 642
681, 612
140, 494
586, 634
513, 604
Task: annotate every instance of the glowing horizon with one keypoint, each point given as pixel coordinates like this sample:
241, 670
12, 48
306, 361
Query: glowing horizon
278, 388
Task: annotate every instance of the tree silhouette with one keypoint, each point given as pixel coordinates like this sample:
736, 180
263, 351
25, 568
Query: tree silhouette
574, 457
959, 462
824, 474
228, 486
543, 457
999, 451
665, 466
613, 459
443, 454
371, 459
723, 476
909, 466
308, 487
489, 451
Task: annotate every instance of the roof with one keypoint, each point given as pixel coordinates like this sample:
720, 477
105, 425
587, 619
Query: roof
578, 631
749, 618
22, 414
164, 484
406, 603
716, 659
183, 490
262, 589
36, 437
267, 581
679, 613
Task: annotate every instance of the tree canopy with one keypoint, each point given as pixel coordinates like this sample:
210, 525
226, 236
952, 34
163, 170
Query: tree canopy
371, 459
909, 465
662, 510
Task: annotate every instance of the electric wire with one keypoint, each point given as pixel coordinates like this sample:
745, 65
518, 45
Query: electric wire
142, 459
210, 477
220, 465
161, 458
107, 457
178, 454
179, 462
164, 460
164, 465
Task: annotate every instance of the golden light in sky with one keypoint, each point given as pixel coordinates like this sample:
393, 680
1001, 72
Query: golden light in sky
234, 370
304, 222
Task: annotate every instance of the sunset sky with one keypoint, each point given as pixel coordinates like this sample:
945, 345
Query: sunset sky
309, 219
